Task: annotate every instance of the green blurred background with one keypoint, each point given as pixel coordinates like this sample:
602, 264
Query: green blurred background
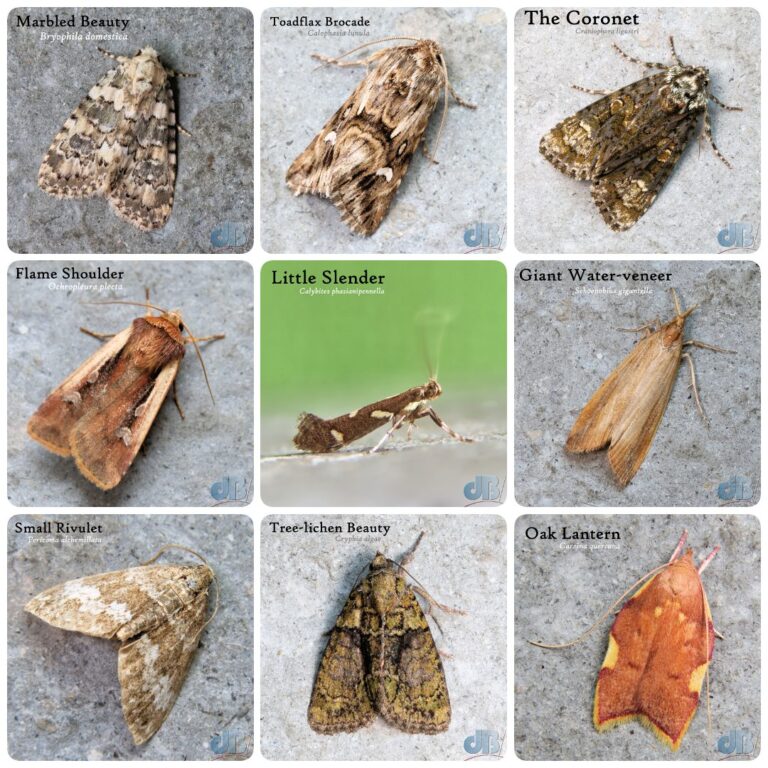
338, 352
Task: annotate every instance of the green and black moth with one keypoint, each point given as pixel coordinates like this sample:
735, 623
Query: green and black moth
362, 153
323, 435
628, 142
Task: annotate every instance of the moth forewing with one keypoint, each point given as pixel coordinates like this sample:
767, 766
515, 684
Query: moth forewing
361, 155
157, 611
102, 412
319, 435
626, 410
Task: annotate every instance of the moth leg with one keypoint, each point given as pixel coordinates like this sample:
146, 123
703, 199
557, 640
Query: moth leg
459, 100
408, 556
200, 339
708, 134
432, 603
181, 129
99, 336
649, 328
695, 388
724, 106
397, 423
704, 345
649, 64
593, 91
429, 411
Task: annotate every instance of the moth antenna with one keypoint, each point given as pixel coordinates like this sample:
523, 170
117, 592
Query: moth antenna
708, 559
683, 537
191, 337
144, 304
589, 631
425, 594
374, 42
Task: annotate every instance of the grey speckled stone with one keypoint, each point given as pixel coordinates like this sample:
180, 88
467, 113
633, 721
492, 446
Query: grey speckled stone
562, 587
555, 213
63, 691
435, 203
305, 581
180, 459
214, 180
567, 342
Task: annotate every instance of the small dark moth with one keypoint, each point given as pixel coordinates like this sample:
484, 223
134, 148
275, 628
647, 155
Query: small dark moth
628, 142
323, 435
362, 153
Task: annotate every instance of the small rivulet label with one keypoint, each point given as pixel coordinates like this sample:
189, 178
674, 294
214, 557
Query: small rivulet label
55, 526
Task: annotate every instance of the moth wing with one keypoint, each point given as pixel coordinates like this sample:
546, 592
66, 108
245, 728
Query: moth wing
52, 423
103, 447
360, 156
410, 692
340, 700
152, 668
582, 144
594, 426
142, 192
623, 195
633, 434
78, 162
97, 605
659, 649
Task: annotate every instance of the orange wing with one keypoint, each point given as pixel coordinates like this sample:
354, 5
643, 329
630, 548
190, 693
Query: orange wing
658, 652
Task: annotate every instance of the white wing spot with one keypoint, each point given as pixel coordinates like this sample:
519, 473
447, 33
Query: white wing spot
381, 415
385, 172
330, 136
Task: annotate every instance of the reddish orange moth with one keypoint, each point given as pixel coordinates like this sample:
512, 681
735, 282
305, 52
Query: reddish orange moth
659, 650
101, 413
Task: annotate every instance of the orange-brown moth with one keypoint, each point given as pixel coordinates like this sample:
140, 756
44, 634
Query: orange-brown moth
626, 410
659, 650
101, 413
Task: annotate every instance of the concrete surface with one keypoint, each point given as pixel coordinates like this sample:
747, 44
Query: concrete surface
307, 578
180, 459
214, 180
555, 213
566, 343
435, 203
63, 691
560, 591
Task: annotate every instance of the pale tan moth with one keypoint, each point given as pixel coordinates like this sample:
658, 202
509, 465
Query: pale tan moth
158, 612
626, 410
361, 155
120, 142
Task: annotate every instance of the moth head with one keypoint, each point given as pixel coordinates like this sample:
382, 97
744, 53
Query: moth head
146, 72
432, 389
174, 317
688, 87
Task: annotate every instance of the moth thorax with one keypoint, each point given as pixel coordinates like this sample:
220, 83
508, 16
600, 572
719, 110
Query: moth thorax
688, 88
673, 331
384, 590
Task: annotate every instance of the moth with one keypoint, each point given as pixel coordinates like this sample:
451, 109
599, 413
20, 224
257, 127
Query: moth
361, 155
659, 651
120, 142
628, 142
322, 435
157, 612
101, 413
626, 410
381, 659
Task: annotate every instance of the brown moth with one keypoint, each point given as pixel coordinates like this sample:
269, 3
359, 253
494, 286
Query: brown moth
361, 155
158, 612
120, 142
323, 435
626, 410
101, 413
